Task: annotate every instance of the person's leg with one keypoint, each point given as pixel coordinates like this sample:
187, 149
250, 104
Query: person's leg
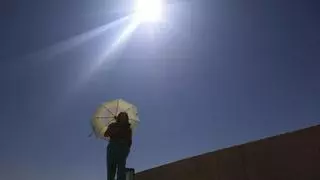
121, 161
111, 161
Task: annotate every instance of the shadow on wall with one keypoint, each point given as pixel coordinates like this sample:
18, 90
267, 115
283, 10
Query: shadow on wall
294, 155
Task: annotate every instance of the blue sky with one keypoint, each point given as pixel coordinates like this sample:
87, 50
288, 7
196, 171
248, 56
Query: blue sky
219, 73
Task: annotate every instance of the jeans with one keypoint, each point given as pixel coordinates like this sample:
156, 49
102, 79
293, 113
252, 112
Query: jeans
117, 153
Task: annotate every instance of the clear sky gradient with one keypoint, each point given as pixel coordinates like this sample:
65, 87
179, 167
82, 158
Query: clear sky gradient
219, 73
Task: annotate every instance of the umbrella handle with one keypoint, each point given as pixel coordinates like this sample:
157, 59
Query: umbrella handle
90, 135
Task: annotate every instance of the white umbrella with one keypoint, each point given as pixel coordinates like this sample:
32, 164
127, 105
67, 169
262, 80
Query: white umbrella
106, 113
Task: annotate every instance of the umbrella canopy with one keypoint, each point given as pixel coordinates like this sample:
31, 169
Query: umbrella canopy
106, 113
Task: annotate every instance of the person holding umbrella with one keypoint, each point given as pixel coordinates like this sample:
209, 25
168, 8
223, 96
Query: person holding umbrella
115, 121
120, 135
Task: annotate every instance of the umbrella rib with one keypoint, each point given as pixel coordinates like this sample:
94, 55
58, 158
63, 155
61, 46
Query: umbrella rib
117, 108
128, 108
103, 117
109, 110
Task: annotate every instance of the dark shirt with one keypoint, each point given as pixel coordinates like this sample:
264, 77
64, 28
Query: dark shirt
119, 133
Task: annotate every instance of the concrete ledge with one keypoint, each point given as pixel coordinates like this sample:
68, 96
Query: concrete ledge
294, 155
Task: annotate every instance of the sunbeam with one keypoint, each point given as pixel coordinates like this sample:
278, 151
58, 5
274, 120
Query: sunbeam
124, 35
64, 46
107, 60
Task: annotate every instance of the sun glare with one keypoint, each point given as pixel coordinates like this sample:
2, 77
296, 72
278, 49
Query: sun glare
148, 10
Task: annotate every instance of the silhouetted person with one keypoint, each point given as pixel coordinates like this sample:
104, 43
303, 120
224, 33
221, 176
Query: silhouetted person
118, 149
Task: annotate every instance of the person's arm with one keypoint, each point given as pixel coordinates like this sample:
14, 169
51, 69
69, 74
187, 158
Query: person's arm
111, 131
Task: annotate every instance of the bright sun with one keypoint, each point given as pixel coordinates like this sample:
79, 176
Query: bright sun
148, 10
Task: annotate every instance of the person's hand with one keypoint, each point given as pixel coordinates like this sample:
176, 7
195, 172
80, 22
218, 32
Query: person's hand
106, 134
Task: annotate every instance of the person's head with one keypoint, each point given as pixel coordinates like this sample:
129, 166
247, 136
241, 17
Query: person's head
123, 118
